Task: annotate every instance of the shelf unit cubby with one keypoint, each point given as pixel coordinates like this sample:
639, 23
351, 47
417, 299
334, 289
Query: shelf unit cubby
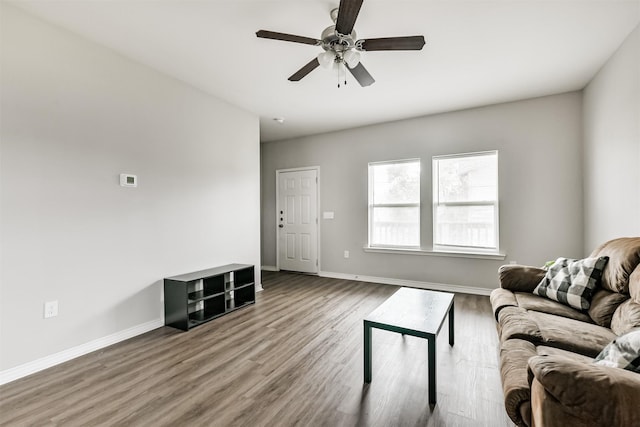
195, 298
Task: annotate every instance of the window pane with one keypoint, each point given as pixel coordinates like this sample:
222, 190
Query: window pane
467, 179
470, 226
396, 182
395, 226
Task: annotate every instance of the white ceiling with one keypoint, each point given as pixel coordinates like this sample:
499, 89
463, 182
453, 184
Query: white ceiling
477, 52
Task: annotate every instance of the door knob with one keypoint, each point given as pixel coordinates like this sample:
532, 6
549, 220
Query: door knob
280, 225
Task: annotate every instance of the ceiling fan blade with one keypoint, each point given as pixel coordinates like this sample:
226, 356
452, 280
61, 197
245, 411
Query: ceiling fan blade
298, 75
347, 15
361, 75
287, 37
393, 43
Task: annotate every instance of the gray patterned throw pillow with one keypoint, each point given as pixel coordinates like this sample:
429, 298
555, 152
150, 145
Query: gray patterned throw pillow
572, 282
623, 352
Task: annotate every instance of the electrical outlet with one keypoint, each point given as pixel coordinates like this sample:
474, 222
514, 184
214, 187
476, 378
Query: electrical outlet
346, 254
50, 309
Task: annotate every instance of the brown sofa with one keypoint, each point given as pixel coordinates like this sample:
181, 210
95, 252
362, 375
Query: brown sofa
547, 349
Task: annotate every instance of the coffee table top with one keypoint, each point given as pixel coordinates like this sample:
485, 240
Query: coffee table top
416, 310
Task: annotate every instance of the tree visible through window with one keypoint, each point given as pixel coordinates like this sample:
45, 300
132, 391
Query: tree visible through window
465, 201
394, 203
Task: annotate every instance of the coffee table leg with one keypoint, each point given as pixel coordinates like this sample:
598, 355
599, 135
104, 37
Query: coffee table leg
451, 324
367, 352
432, 368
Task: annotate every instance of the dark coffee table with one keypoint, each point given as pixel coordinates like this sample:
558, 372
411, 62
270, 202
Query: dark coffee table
415, 312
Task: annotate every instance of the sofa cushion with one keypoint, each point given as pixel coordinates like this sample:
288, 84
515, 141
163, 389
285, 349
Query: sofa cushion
624, 257
626, 317
537, 303
572, 335
501, 298
572, 282
543, 350
603, 304
623, 352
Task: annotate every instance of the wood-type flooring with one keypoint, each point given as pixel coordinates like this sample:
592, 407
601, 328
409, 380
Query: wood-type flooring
295, 358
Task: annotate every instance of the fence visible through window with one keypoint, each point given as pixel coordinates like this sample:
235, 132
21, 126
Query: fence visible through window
394, 203
465, 201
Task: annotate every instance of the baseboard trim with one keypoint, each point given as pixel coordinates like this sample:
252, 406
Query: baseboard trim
269, 268
409, 283
37, 365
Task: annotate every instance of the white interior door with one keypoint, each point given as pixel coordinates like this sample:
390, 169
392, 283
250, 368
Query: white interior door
297, 220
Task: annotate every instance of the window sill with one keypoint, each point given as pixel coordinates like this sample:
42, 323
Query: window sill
432, 252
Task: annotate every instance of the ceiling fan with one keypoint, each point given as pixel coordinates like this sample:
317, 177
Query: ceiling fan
341, 46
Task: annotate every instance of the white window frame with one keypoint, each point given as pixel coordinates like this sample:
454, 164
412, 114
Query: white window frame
495, 203
393, 205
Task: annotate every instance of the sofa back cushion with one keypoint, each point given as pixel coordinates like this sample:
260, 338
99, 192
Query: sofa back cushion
603, 304
626, 317
624, 257
533, 302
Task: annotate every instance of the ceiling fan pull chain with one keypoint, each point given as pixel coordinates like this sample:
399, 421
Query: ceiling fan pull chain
344, 68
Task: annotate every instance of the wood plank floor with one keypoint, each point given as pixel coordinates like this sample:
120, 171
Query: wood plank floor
293, 358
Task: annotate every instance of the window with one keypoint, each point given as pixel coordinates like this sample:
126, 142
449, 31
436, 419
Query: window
394, 203
465, 202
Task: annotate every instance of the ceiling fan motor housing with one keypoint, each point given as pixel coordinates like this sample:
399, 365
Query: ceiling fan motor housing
336, 42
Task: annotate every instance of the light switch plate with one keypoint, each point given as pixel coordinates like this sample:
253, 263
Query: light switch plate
327, 215
50, 309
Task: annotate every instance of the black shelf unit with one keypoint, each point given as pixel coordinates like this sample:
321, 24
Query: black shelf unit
195, 298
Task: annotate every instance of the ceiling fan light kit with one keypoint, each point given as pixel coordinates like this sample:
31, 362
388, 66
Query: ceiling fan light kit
351, 58
326, 59
341, 46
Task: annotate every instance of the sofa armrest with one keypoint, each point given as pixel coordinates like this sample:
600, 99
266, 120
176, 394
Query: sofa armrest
520, 278
571, 392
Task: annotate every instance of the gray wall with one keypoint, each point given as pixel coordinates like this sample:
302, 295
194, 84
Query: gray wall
612, 147
539, 143
74, 116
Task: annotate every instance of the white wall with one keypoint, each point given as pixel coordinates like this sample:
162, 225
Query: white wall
612, 147
74, 116
539, 143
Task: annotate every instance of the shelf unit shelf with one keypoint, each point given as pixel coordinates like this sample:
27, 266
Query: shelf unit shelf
201, 295
195, 298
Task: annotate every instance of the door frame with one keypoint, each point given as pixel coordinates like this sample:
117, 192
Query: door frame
278, 172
